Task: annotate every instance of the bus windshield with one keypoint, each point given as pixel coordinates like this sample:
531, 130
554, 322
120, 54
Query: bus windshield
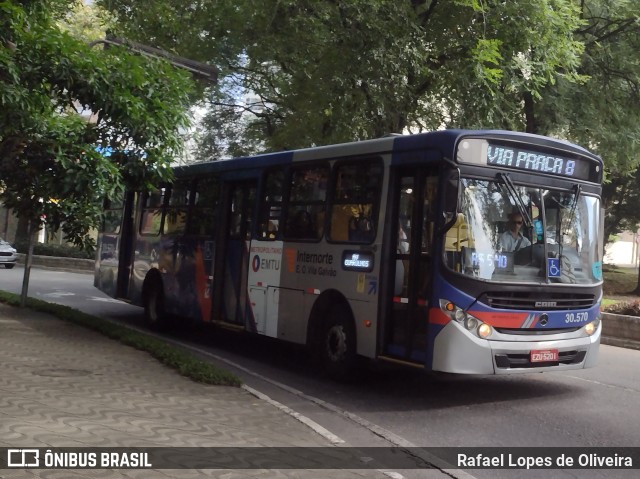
515, 234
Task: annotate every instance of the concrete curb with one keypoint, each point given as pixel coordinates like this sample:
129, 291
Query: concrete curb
621, 330
55, 262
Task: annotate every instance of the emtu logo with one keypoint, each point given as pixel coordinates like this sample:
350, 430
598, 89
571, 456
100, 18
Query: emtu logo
23, 458
255, 264
291, 255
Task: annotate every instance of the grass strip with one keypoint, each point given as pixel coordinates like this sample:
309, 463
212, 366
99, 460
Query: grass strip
183, 361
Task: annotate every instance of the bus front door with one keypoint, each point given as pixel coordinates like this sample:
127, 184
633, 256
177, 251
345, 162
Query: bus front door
404, 332
232, 258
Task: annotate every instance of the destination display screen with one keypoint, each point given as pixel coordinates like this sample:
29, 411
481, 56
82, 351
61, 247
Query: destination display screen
502, 262
357, 261
536, 161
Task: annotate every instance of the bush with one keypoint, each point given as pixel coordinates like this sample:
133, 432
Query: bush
63, 251
628, 308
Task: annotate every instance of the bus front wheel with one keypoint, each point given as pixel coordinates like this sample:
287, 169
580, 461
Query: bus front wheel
337, 345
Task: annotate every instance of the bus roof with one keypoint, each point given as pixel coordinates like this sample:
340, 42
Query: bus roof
442, 140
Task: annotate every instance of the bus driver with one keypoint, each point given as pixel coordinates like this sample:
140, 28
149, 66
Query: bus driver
512, 240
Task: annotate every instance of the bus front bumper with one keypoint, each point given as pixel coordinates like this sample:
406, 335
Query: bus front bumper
456, 350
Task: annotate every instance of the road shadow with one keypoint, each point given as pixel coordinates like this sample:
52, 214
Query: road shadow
377, 386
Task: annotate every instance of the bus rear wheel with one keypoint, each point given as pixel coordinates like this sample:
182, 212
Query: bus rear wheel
154, 312
337, 345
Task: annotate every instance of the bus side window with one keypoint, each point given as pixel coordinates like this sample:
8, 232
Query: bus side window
355, 202
271, 205
176, 213
307, 203
152, 212
112, 218
241, 213
202, 218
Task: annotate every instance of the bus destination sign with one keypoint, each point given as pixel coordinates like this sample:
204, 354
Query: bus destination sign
520, 159
357, 261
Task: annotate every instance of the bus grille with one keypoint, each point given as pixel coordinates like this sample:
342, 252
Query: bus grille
536, 332
534, 301
522, 361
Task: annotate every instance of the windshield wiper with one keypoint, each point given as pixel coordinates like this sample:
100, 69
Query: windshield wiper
515, 197
574, 205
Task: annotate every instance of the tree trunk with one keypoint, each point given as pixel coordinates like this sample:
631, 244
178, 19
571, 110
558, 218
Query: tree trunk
31, 233
22, 231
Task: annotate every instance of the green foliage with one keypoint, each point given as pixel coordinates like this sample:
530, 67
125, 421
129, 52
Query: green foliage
603, 112
332, 71
49, 164
85, 22
184, 362
58, 250
619, 281
326, 72
628, 308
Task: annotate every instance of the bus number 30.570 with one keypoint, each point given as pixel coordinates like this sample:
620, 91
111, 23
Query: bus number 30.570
576, 318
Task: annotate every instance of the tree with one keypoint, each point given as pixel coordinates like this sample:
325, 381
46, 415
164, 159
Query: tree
85, 21
603, 111
332, 71
52, 161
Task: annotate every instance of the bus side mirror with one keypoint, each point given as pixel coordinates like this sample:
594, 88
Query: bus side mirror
451, 199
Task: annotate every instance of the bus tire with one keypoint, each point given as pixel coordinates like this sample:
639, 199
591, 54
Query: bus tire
155, 315
336, 344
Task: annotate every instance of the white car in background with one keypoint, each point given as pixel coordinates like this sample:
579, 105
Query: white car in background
8, 256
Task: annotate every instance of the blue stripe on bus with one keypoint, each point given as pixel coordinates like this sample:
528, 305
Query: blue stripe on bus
248, 165
445, 140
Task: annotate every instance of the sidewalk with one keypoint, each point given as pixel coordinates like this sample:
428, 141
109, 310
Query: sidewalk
64, 386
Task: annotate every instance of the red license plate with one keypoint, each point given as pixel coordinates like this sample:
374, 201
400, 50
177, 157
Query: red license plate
544, 356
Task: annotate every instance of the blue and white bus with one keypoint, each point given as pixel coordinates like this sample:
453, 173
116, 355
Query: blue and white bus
388, 249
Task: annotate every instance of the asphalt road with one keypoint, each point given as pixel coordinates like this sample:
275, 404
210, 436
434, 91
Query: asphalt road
599, 407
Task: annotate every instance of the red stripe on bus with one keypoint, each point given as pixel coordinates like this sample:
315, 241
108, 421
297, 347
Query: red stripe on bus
438, 316
500, 320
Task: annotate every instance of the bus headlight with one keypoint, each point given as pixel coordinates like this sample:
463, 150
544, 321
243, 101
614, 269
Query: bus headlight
471, 323
484, 331
591, 327
455, 313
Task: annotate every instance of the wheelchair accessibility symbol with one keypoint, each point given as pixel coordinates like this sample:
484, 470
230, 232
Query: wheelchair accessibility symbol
553, 267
